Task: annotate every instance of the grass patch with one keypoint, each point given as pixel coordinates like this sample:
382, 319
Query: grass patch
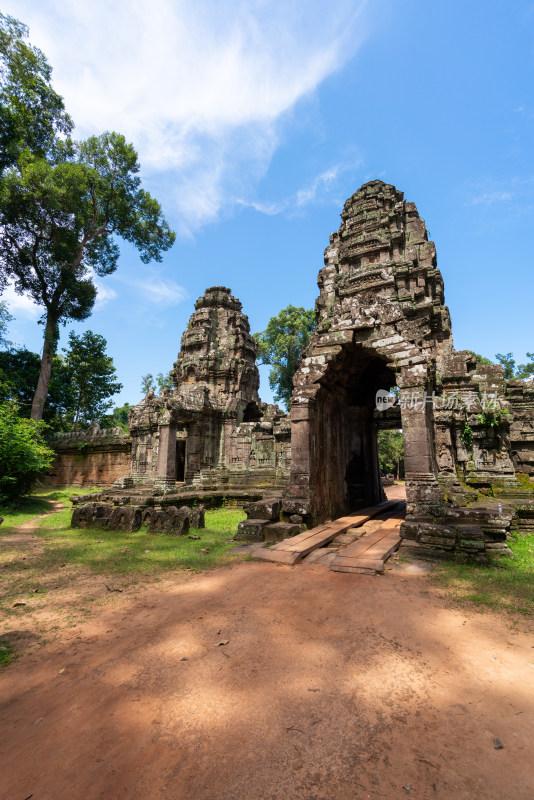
6, 655
505, 585
27, 508
63, 554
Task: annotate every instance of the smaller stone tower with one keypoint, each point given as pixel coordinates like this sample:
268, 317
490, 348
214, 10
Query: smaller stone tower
211, 430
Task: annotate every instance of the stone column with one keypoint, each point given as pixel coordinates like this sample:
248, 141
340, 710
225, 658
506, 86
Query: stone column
423, 493
301, 420
166, 469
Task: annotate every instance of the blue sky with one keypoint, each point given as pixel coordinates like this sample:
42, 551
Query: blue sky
256, 119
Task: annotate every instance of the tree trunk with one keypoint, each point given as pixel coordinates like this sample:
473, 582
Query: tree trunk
49, 348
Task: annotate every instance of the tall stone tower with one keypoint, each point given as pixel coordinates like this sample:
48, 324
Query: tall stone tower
218, 354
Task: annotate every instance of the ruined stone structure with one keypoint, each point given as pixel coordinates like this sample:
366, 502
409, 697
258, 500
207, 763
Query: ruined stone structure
382, 356
211, 430
382, 323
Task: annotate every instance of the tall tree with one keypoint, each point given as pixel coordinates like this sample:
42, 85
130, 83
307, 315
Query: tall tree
63, 204
32, 114
60, 222
92, 377
19, 372
281, 345
513, 371
147, 383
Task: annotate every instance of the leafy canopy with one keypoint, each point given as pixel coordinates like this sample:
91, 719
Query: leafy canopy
19, 372
92, 377
391, 452
60, 222
23, 452
162, 381
281, 345
32, 114
5, 319
513, 371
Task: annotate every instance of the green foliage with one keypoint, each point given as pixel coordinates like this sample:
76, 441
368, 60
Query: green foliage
5, 318
467, 436
480, 359
492, 417
6, 654
391, 452
92, 377
61, 220
513, 371
164, 381
32, 115
23, 453
147, 383
281, 345
525, 481
19, 373
118, 418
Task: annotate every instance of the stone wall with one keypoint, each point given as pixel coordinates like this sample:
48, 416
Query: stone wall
89, 459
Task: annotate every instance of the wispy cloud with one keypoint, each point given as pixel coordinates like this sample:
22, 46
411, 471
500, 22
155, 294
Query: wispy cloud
200, 88
159, 291
104, 295
488, 198
20, 305
322, 189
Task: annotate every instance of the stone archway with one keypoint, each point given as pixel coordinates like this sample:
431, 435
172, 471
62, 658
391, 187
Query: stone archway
381, 322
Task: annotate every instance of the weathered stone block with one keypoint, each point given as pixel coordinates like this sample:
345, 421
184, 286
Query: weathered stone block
268, 509
251, 530
278, 531
178, 522
298, 506
125, 518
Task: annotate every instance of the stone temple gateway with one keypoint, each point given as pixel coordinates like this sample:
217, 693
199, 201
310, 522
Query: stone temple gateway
382, 325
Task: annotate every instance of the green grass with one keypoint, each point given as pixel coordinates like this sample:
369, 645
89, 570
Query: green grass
27, 508
6, 655
505, 585
64, 553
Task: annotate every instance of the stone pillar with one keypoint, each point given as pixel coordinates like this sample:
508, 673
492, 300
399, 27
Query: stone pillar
423, 492
301, 421
166, 469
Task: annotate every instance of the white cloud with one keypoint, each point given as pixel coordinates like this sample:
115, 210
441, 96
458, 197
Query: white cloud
488, 198
200, 88
21, 305
160, 291
104, 295
320, 190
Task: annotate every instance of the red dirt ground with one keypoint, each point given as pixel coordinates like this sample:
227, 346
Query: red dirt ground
331, 687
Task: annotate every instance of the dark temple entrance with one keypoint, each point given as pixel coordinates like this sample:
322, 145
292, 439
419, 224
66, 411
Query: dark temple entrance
339, 426
180, 460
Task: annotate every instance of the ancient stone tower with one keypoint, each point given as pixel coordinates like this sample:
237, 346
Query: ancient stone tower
211, 430
382, 324
217, 359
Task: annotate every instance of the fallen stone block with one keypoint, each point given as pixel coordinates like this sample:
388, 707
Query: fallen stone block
278, 531
251, 530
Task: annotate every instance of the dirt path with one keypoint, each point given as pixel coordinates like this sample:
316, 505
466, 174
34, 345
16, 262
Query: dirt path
24, 536
330, 687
